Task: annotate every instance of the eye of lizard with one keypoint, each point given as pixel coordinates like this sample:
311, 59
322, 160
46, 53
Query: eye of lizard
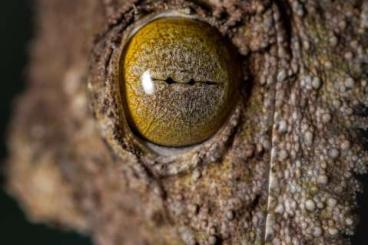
178, 80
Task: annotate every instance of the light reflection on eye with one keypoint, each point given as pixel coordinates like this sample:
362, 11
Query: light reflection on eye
147, 83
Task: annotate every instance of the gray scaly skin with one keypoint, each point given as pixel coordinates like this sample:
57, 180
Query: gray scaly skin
280, 171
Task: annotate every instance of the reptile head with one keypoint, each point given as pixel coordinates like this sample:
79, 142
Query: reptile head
195, 122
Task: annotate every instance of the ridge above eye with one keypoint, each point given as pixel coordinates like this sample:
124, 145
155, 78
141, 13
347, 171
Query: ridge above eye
178, 51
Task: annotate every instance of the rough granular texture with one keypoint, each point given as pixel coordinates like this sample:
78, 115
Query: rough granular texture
281, 170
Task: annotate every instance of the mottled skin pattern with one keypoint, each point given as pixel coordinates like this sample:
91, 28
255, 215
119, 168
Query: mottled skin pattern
280, 170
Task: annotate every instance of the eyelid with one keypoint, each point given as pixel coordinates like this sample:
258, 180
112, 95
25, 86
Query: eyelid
104, 86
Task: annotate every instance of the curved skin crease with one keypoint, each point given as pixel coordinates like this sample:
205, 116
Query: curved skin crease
179, 79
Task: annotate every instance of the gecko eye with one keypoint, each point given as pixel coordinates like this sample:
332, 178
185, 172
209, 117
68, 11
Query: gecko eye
179, 81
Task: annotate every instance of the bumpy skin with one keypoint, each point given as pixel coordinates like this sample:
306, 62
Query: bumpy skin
280, 171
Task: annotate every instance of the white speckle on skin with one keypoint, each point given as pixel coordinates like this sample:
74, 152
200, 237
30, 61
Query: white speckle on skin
281, 76
345, 145
336, 103
348, 56
229, 215
333, 40
332, 231
282, 127
283, 154
326, 118
316, 83
308, 138
349, 83
317, 231
331, 202
212, 240
333, 153
328, 64
342, 25
279, 209
322, 179
349, 221
310, 205
196, 175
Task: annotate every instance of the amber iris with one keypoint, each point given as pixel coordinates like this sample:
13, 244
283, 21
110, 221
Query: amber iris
179, 81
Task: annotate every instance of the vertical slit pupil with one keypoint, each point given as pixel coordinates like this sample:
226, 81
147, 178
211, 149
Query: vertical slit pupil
169, 80
191, 82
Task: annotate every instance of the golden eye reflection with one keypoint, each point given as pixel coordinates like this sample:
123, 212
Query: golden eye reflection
179, 81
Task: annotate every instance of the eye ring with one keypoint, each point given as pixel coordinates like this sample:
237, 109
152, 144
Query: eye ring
106, 101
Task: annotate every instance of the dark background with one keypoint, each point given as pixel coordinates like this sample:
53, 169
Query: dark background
15, 33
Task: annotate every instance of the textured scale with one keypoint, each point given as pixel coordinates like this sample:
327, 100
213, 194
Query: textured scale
281, 171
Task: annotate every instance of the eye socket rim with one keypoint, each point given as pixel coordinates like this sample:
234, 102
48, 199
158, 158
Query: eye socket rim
106, 101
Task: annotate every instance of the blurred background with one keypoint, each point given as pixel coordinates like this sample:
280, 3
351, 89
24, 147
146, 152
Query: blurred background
16, 31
